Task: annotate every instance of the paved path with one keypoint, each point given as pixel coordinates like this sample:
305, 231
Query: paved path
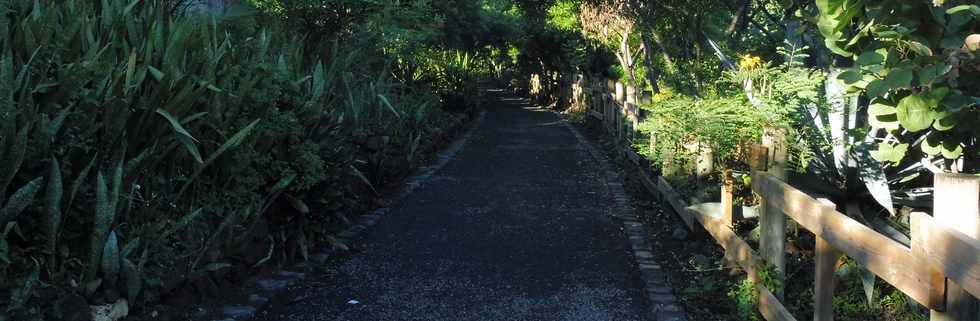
518, 226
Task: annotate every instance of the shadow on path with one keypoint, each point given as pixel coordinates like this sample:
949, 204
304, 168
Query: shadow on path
516, 227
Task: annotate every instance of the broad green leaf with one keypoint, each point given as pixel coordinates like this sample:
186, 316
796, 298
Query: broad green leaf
182, 223
52, 205
936, 95
951, 149
869, 58
298, 204
928, 74
129, 8
116, 188
318, 81
360, 175
931, 145
183, 136
337, 243
851, 76
868, 280
134, 279
22, 294
956, 102
80, 179
972, 8
883, 116
232, 142
887, 122
50, 131
283, 183
130, 247
877, 88
920, 48
110, 259
889, 153
834, 16
210, 267
130, 70
134, 164
213, 267
946, 121
899, 78
879, 109
104, 217
384, 101
914, 113
18, 202
873, 176
12, 159
156, 73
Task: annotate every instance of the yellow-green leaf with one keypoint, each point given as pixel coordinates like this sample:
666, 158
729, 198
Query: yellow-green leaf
914, 113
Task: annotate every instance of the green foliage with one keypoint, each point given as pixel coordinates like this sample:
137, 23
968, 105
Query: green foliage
164, 127
720, 123
852, 300
910, 62
746, 294
780, 91
19, 201
22, 294
52, 206
563, 15
746, 298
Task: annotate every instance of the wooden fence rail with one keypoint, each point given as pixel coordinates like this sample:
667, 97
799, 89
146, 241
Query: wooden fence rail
938, 253
615, 105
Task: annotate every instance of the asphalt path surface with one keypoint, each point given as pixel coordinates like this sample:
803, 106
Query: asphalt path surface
517, 226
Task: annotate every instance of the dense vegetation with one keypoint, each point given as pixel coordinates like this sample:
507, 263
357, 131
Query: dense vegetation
148, 145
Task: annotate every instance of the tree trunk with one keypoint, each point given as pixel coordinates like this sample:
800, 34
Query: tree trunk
668, 60
739, 22
625, 56
652, 72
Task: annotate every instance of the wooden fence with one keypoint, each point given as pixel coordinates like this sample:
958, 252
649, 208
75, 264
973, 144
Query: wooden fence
940, 270
614, 104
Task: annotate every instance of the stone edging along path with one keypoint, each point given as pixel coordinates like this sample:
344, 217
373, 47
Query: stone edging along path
261, 290
660, 295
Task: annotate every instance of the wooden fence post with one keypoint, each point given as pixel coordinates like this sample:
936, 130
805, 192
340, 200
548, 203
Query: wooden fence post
758, 157
956, 205
775, 140
610, 124
704, 160
620, 93
629, 108
772, 222
631, 94
618, 110
824, 279
608, 107
728, 198
631, 118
